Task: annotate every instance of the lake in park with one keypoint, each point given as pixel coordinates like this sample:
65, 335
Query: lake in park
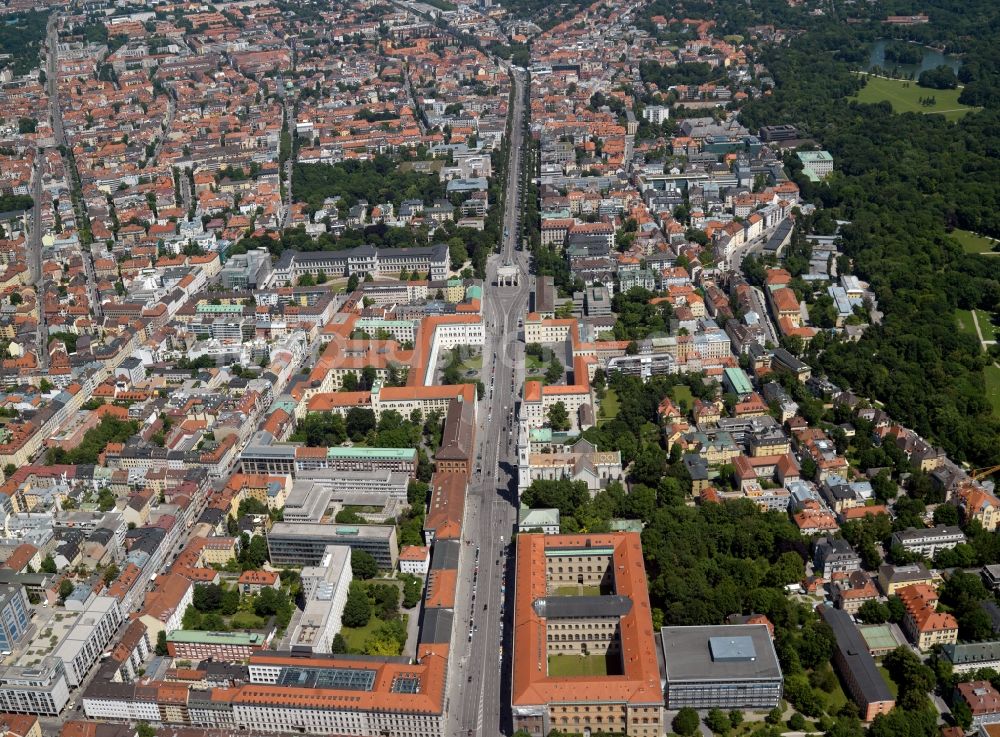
931, 60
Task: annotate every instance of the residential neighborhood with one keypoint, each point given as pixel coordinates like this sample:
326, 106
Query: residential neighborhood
472, 368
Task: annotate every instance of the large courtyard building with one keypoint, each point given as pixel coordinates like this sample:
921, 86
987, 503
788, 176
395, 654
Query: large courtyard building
721, 667
584, 653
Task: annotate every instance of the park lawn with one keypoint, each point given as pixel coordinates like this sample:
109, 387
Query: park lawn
578, 665
336, 285
992, 375
892, 684
965, 323
578, 591
246, 621
986, 325
609, 406
972, 243
356, 636
904, 96
746, 728
472, 363
362, 508
533, 362
835, 700
681, 394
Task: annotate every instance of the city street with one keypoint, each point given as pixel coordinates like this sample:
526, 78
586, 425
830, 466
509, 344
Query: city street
479, 687
35, 261
289, 120
760, 305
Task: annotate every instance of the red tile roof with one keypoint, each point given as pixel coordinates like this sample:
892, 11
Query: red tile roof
640, 682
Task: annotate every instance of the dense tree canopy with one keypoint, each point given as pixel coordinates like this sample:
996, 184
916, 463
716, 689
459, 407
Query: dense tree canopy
110, 430
363, 565
637, 318
357, 610
376, 181
901, 181
21, 36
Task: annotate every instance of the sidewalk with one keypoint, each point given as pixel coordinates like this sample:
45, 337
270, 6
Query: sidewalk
412, 622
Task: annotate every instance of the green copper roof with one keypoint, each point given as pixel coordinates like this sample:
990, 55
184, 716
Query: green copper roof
216, 638
404, 454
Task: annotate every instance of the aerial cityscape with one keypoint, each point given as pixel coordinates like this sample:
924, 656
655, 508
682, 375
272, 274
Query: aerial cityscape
467, 368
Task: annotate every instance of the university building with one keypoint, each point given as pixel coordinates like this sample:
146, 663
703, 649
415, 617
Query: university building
608, 618
196, 645
305, 544
856, 667
730, 666
362, 260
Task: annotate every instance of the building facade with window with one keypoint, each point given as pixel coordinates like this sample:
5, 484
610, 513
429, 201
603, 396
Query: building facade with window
227, 646
721, 667
15, 616
608, 617
305, 544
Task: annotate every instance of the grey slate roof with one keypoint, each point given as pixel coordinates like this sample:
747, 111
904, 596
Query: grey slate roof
564, 607
972, 652
688, 653
854, 654
436, 626
445, 555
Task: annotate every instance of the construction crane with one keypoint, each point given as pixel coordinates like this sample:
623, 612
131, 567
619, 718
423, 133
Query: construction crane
981, 473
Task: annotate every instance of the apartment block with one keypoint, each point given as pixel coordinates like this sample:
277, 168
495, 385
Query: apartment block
983, 701
130, 652
923, 623
892, 578
929, 541
35, 689
20, 725
166, 604
324, 588
971, 656
89, 636
835, 555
